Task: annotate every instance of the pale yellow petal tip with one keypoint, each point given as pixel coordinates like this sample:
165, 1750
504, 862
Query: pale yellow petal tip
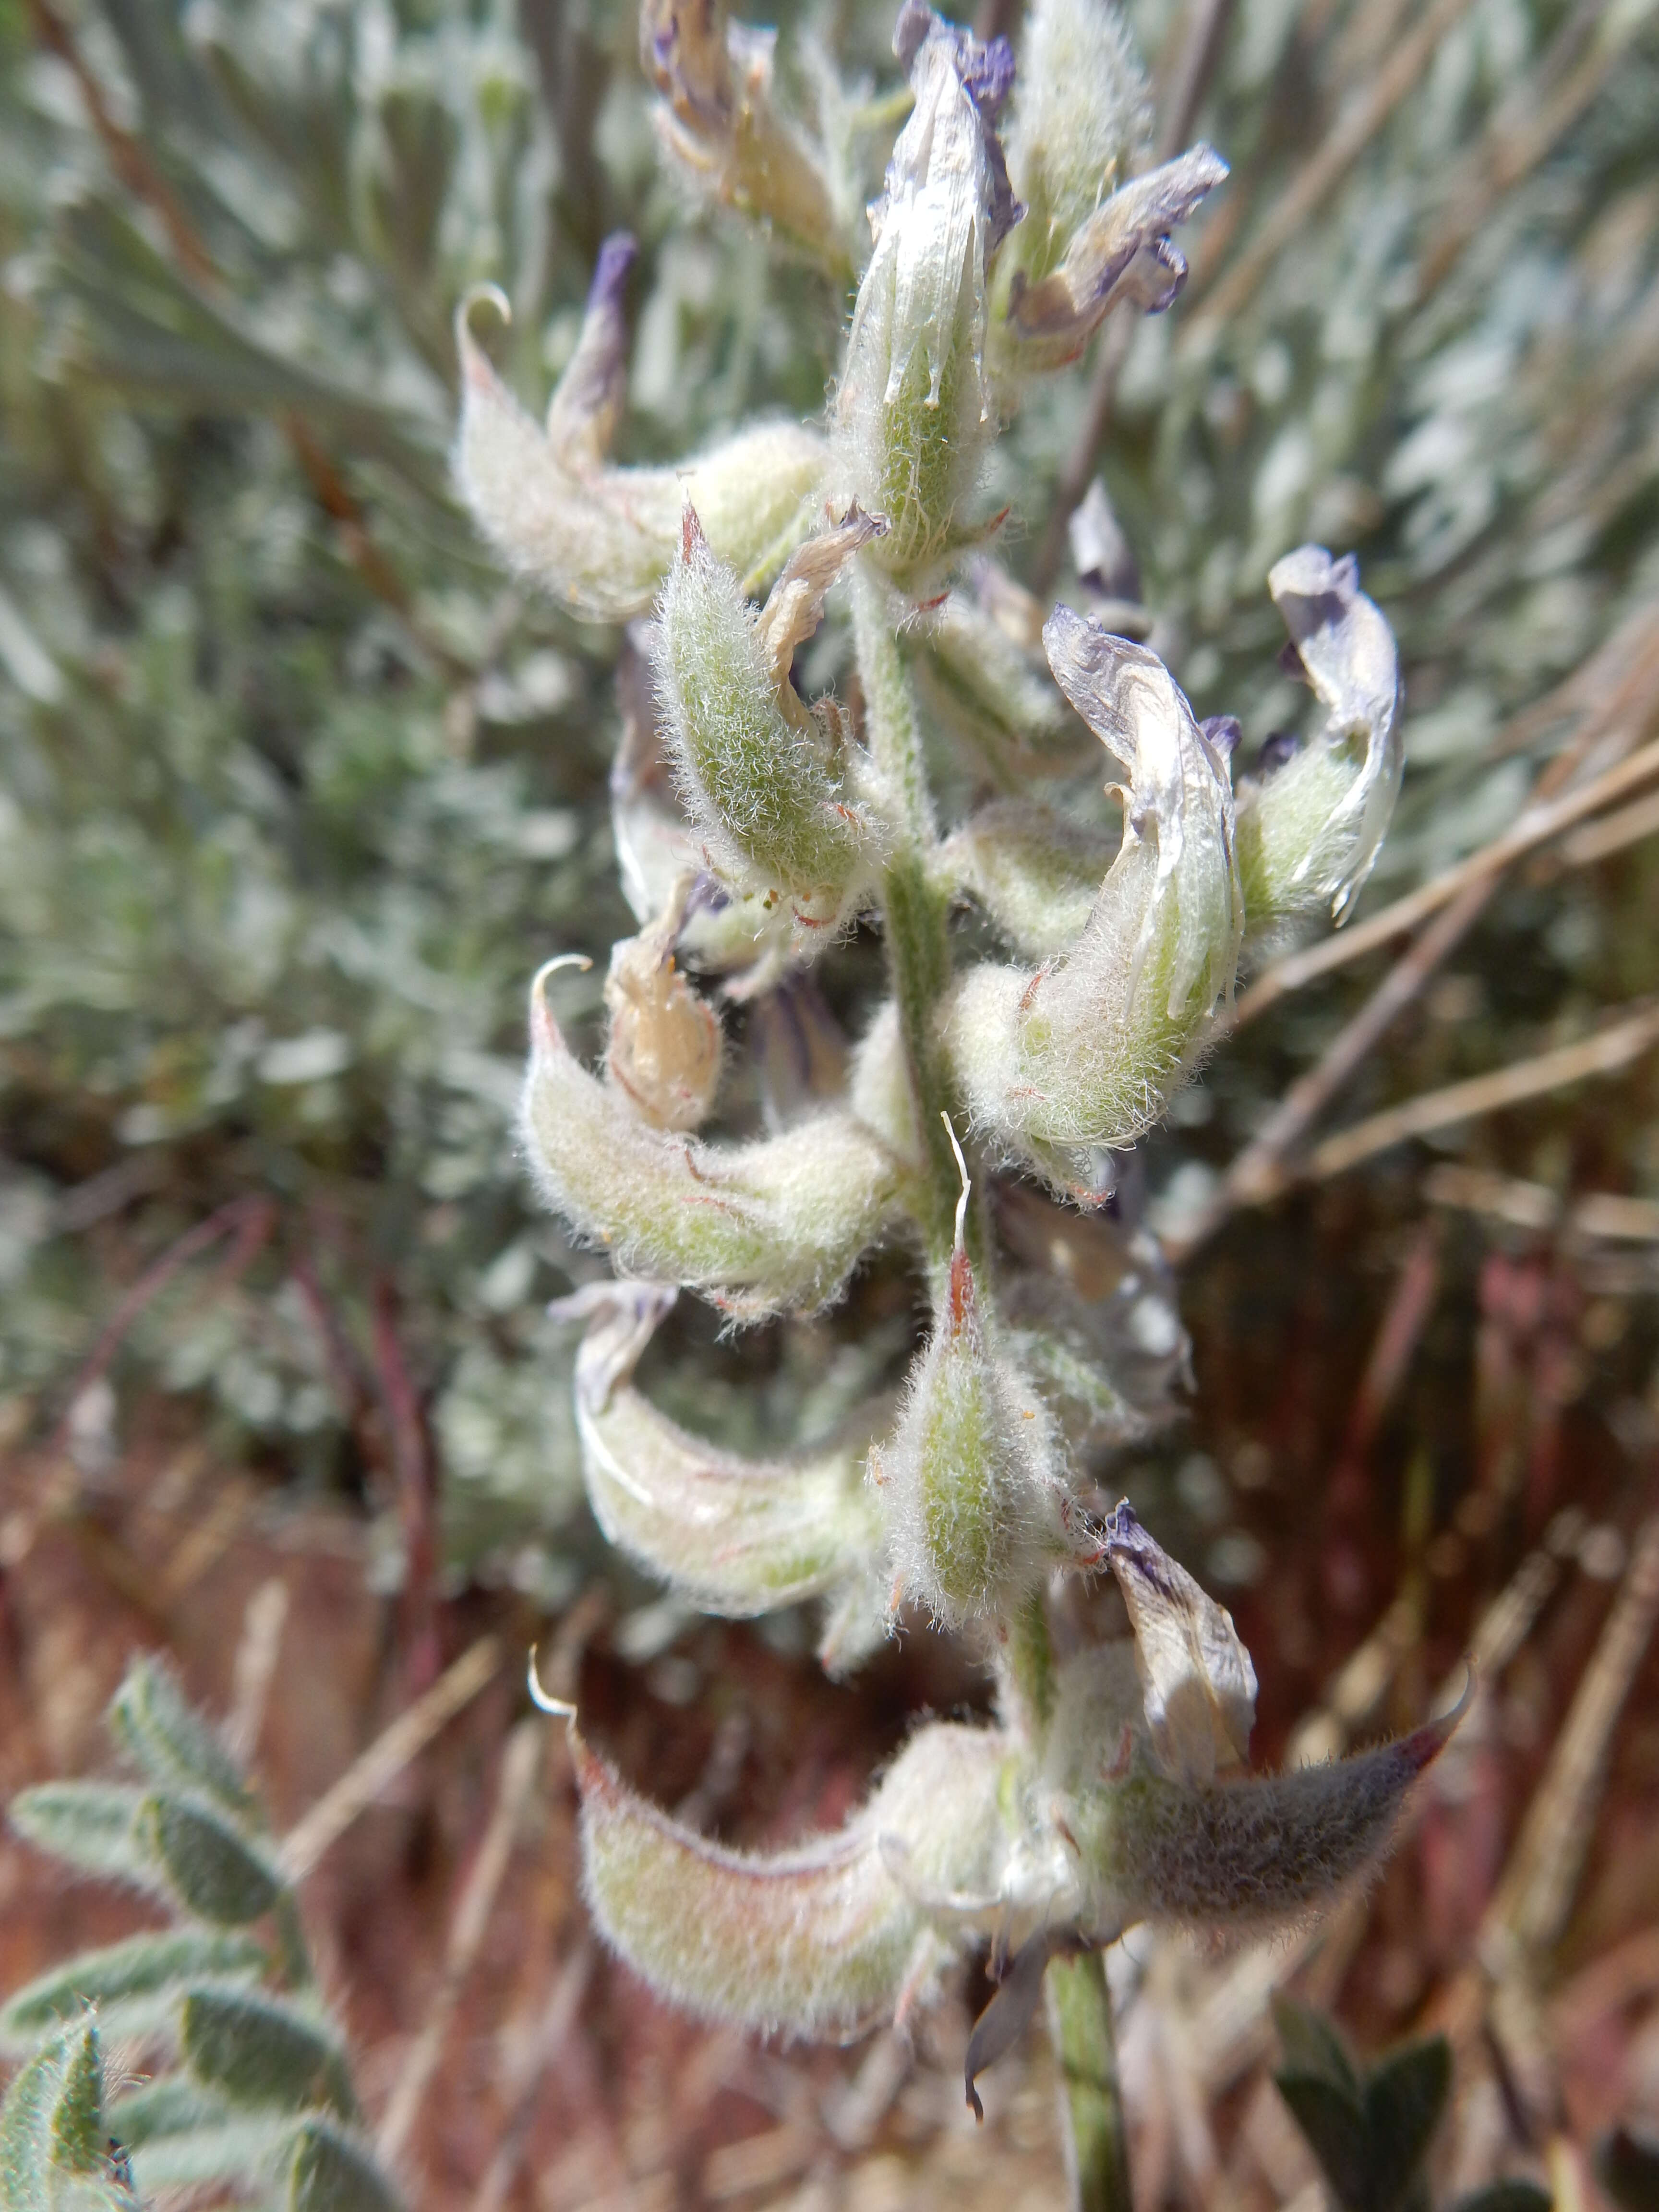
559, 1708
474, 362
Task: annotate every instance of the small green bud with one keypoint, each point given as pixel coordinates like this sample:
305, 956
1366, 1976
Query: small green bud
773, 786
1079, 1055
739, 1536
825, 1940
1081, 111
971, 1477
984, 681
777, 1224
717, 124
1035, 873
915, 411
1309, 831
601, 538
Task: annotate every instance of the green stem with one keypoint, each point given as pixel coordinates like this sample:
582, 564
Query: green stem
1081, 2020
914, 912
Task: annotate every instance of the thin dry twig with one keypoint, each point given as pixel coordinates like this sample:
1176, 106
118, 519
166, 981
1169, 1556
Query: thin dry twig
1608, 1053
543, 2047
1535, 1895
255, 1667
475, 1901
1360, 119
1536, 825
317, 1831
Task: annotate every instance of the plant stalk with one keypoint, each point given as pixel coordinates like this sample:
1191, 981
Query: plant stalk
1091, 2104
914, 912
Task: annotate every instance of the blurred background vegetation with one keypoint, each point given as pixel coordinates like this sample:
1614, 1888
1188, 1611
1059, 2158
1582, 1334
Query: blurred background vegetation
297, 793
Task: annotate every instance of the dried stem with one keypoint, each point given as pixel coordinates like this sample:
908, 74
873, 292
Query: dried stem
914, 912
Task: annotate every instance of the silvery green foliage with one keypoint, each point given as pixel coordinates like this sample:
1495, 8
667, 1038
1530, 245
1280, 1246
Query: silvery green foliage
1112, 1790
197, 2055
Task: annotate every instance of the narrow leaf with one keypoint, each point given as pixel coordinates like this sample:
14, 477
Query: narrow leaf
216, 1872
176, 1747
142, 1965
257, 2051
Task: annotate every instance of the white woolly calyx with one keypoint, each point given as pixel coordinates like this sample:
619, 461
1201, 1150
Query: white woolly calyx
971, 1481
737, 1536
599, 539
1078, 1055
1309, 828
761, 1227
775, 787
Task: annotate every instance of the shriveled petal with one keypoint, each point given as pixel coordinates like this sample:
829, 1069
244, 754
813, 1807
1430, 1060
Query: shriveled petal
664, 1049
739, 1536
1123, 252
817, 1941
759, 1227
1308, 835
1196, 1676
795, 606
718, 124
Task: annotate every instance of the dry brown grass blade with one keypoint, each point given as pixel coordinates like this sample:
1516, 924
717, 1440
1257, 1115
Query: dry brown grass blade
1360, 119
1536, 825
475, 1901
1608, 1053
315, 1832
1601, 1215
1530, 1908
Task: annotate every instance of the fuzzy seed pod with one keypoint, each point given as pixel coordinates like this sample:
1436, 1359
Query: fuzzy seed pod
771, 786
599, 539
716, 123
1242, 1857
915, 410
826, 1940
1308, 833
971, 1477
739, 1537
1080, 1053
759, 1227
748, 940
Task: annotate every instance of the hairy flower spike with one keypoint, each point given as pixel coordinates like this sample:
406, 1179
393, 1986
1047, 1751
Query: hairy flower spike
717, 122
971, 1476
772, 785
600, 538
915, 410
1309, 832
1078, 1054
738, 1536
